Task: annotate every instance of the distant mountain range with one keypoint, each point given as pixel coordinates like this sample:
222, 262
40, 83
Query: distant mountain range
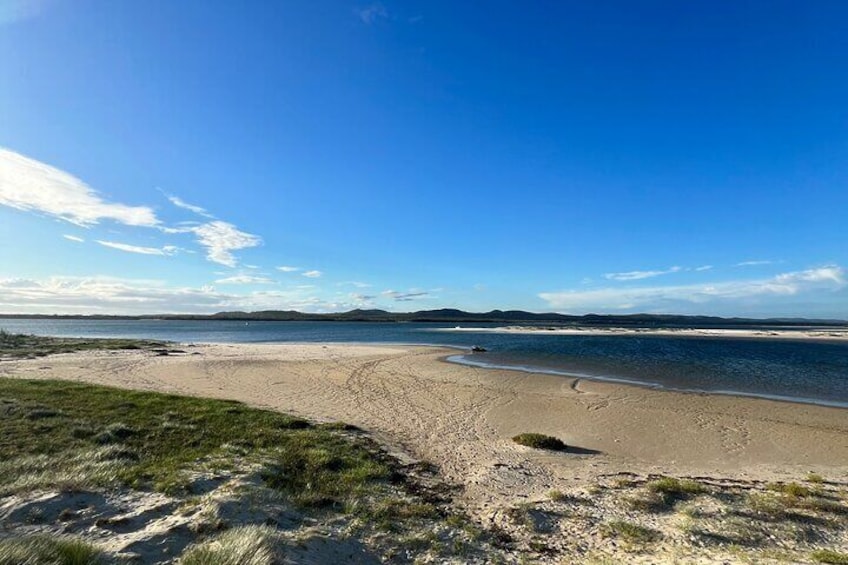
450, 315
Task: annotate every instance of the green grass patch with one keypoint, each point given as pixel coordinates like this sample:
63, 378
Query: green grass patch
828, 556
814, 478
21, 345
388, 514
88, 436
540, 441
650, 501
48, 550
662, 494
629, 531
794, 490
317, 468
679, 488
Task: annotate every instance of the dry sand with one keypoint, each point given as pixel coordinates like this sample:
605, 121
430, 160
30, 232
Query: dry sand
462, 418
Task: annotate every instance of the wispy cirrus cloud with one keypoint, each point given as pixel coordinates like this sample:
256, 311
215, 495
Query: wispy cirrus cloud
408, 296
244, 279
74, 238
356, 284
693, 297
755, 263
638, 275
180, 203
166, 250
32, 186
372, 13
288, 269
703, 268
313, 274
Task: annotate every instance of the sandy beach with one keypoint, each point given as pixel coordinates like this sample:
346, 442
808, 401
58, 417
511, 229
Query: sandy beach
462, 418
558, 506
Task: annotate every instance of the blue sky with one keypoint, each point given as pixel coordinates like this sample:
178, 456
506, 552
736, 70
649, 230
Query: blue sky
578, 157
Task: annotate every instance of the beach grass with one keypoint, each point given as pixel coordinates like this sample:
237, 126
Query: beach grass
674, 487
24, 345
540, 441
48, 550
629, 531
74, 436
246, 545
829, 556
662, 494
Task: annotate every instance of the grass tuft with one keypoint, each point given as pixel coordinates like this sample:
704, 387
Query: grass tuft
831, 557
678, 488
662, 494
540, 441
48, 550
557, 496
248, 545
791, 489
629, 531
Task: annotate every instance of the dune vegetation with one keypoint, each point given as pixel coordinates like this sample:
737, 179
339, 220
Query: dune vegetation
22, 345
197, 459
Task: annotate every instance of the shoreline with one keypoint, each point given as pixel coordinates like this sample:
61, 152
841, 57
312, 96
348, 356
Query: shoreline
369, 385
722, 333
645, 384
460, 420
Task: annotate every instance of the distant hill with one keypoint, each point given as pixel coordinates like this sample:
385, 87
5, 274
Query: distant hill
453, 316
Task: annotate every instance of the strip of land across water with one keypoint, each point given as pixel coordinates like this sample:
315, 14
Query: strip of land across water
761, 480
825, 334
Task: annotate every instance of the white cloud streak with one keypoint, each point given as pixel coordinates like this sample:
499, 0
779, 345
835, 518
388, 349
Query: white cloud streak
288, 269
372, 13
74, 238
244, 279
754, 263
32, 186
180, 203
667, 298
166, 250
313, 274
638, 275
356, 284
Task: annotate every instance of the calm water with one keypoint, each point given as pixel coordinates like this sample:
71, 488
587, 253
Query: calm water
803, 371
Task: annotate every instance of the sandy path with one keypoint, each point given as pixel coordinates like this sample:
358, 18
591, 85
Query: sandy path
461, 418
